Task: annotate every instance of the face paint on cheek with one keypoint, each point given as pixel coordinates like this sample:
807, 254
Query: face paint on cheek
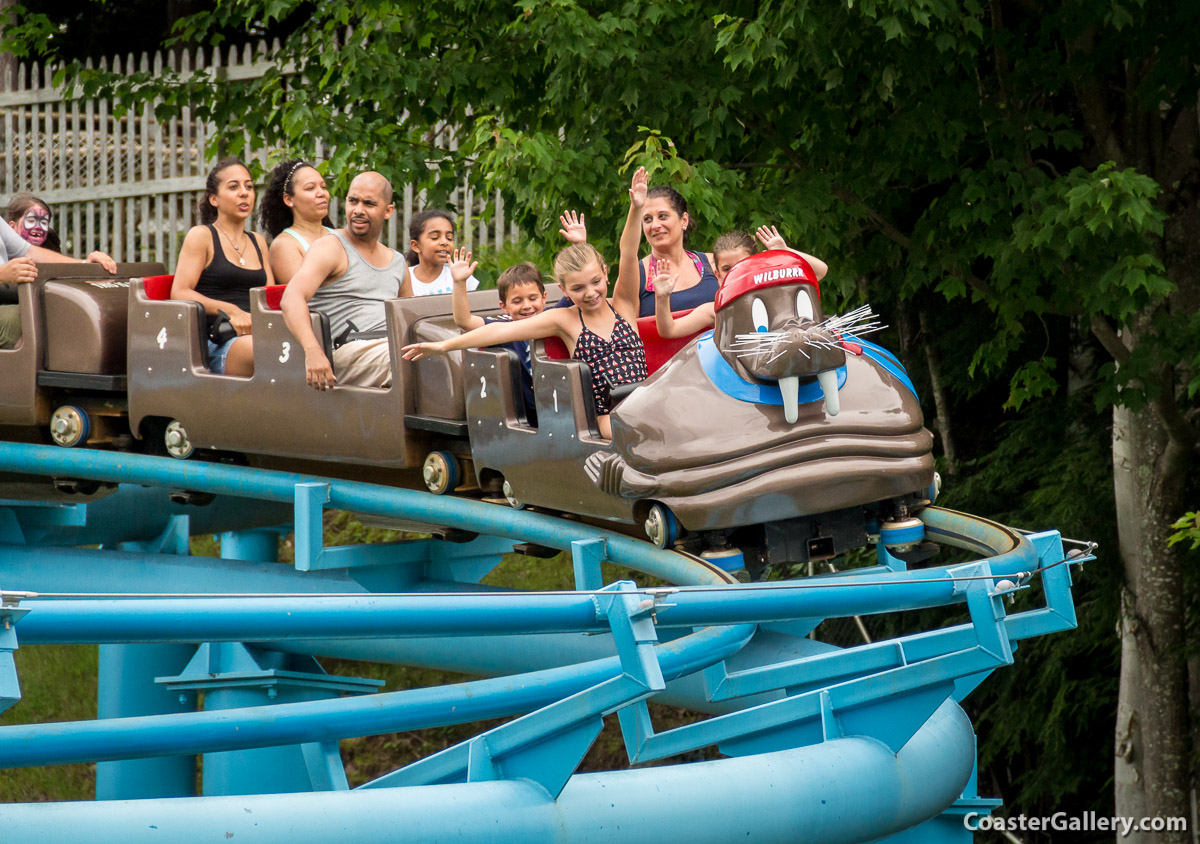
35, 226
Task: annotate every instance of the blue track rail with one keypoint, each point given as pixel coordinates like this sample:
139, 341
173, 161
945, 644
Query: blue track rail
214, 659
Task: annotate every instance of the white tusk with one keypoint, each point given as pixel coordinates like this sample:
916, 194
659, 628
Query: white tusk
829, 386
789, 387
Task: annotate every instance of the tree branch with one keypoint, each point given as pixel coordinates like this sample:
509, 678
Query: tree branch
1173, 418
1108, 338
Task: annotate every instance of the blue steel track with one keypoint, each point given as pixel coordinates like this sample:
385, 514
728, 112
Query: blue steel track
214, 659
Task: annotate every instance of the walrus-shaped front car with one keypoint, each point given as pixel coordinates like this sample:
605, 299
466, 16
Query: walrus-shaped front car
776, 430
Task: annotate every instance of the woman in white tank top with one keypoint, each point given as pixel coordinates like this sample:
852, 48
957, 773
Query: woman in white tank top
295, 203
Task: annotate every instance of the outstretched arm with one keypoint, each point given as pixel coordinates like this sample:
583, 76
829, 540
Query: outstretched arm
625, 291
42, 255
546, 324
819, 266
461, 269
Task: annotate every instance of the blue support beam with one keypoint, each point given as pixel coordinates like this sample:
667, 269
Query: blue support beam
547, 745
234, 676
586, 556
24, 745
126, 689
10, 613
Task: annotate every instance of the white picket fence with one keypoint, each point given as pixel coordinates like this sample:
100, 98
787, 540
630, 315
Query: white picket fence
128, 185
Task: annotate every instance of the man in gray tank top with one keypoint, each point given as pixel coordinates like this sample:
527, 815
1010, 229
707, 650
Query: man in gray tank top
348, 277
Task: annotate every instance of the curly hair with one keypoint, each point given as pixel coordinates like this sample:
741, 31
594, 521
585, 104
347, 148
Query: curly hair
274, 215
204, 209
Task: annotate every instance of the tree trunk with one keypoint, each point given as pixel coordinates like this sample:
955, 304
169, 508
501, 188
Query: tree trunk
1153, 736
941, 399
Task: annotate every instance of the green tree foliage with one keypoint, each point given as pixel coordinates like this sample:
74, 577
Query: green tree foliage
1026, 176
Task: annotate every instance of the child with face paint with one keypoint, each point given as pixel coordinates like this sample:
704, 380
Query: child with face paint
32, 220
22, 248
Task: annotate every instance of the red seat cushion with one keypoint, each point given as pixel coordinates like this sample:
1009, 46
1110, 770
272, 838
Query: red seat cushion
658, 350
274, 294
158, 286
555, 348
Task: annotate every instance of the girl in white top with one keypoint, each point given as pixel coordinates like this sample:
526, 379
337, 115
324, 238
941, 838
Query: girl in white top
431, 247
295, 203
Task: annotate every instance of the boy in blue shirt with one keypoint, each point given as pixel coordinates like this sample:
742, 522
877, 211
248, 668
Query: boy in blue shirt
522, 295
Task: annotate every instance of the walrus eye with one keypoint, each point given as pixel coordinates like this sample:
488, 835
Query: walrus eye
804, 306
758, 313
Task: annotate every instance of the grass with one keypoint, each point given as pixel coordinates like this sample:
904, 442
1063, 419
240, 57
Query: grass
58, 683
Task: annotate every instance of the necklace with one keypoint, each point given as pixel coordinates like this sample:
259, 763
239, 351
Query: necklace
238, 250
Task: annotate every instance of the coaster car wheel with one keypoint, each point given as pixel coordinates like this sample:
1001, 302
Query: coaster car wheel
440, 472
70, 426
179, 445
661, 526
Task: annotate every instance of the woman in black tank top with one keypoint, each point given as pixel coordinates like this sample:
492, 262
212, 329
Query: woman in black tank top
220, 261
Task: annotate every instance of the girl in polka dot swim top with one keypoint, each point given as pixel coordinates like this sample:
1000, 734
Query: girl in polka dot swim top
599, 331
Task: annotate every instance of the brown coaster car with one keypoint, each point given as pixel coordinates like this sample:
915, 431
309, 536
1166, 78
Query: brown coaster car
67, 375
274, 413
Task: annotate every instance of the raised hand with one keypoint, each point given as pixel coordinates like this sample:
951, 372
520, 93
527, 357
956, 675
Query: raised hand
771, 238
461, 267
665, 279
573, 227
638, 187
18, 271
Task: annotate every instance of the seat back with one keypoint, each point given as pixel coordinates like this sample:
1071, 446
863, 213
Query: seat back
158, 287
274, 295
660, 349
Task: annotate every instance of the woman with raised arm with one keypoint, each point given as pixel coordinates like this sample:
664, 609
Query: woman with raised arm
665, 222
295, 204
220, 261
